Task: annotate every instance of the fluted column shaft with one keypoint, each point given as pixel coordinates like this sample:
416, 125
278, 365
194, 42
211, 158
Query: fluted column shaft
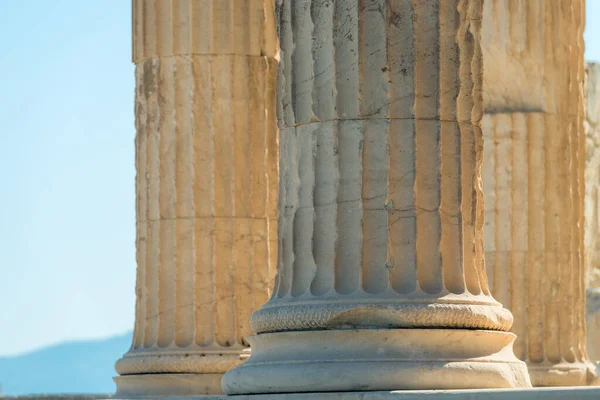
206, 186
592, 208
534, 154
379, 105
381, 150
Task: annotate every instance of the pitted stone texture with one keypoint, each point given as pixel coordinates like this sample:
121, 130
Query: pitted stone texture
206, 186
533, 177
379, 109
391, 314
189, 361
165, 28
380, 159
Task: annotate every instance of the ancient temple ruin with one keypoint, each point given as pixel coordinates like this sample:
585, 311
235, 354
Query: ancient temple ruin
363, 196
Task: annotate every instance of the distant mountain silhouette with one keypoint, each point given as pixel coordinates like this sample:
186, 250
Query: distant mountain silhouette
71, 367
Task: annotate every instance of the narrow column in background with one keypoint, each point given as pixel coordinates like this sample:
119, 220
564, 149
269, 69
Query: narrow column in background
592, 208
381, 279
534, 156
207, 175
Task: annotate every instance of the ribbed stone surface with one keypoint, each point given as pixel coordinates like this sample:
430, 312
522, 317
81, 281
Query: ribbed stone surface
592, 207
379, 109
207, 176
533, 173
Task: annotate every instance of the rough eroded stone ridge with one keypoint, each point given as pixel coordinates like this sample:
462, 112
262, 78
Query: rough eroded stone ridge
207, 176
533, 177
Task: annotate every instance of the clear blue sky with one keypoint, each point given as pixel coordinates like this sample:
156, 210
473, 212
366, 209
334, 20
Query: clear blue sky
67, 263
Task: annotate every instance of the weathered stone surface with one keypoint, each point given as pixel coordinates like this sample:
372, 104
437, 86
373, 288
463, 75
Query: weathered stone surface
512, 37
592, 175
593, 323
533, 177
206, 161
592, 208
573, 393
379, 105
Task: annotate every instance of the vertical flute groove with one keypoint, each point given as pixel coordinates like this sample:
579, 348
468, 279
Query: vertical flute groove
376, 169
468, 133
302, 61
243, 242
536, 242
401, 49
141, 139
184, 204
518, 196
450, 211
153, 217
324, 65
503, 207
260, 171
303, 219
291, 152
224, 200
326, 207
204, 202
346, 55
373, 62
349, 221
374, 92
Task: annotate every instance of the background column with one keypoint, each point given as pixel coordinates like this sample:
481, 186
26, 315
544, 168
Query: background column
533, 180
381, 280
206, 161
592, 208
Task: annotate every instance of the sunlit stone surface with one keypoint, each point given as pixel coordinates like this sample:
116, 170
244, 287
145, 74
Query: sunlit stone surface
592, 208
381, 281
533, 180
206, 161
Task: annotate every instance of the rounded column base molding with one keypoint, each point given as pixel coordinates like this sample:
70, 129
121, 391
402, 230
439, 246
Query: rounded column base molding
147, 374
378, 359
563, 374
134, 363
384, 315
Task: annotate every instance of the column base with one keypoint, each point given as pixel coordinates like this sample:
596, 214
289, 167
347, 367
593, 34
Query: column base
378, 360
167, 373
167, 385
563, 374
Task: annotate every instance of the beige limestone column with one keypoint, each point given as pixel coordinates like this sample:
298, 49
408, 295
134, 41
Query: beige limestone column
381, 280
206, 185
534, 155
592, 208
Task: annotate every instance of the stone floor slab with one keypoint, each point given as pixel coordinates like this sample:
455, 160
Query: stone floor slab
570, 393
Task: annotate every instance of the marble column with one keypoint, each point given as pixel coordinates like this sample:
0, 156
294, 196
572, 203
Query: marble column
534, 156
592, 208
381, 279
206, 186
